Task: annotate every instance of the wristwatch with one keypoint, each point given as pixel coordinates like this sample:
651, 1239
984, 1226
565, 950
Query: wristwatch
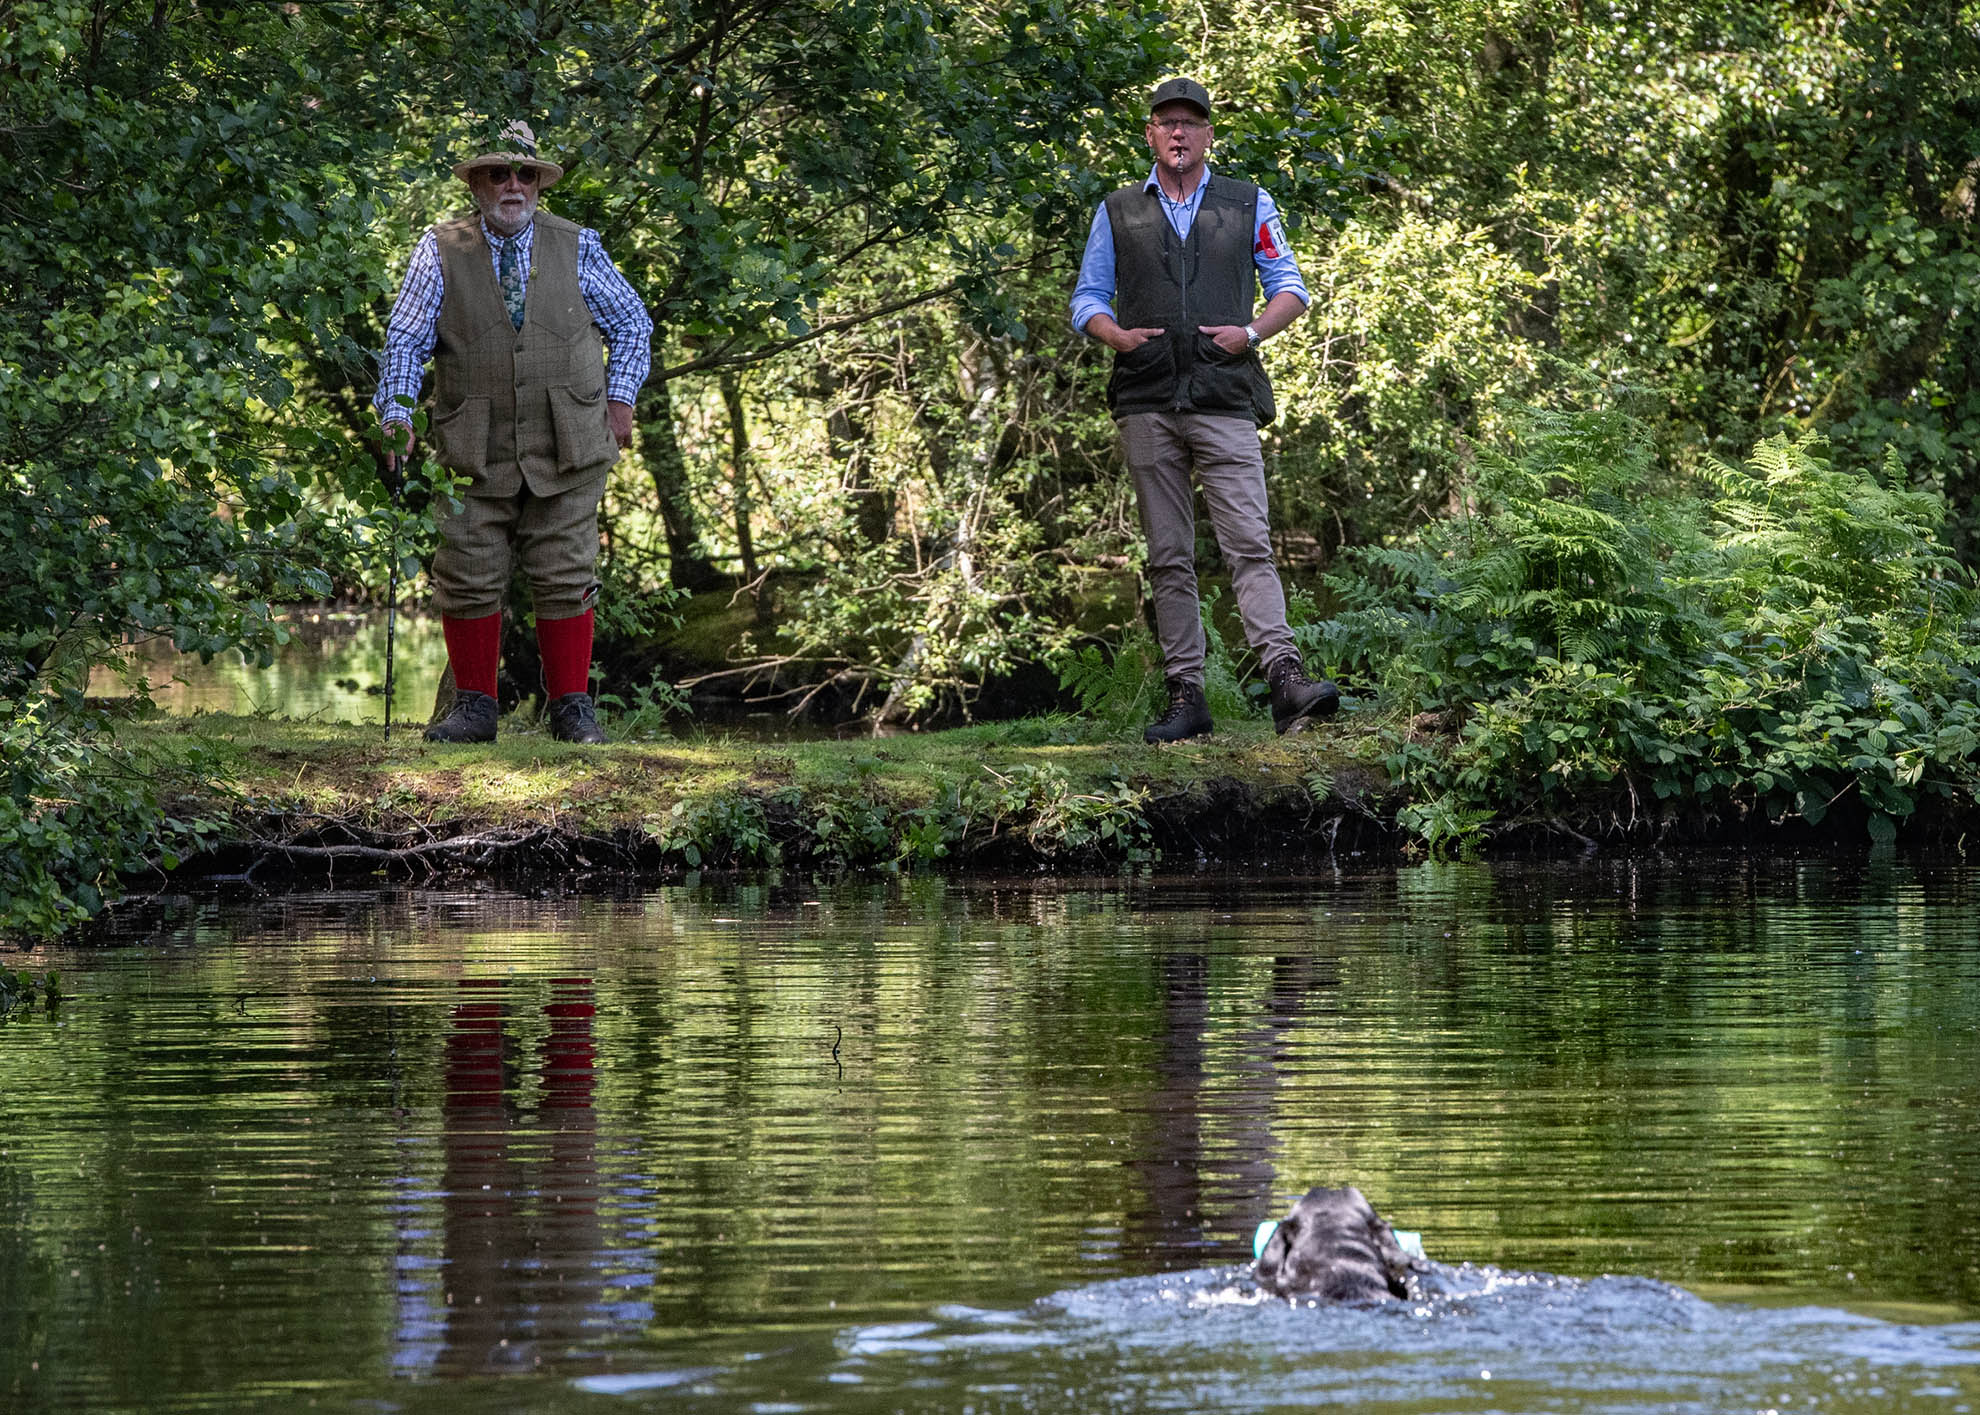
1252, 338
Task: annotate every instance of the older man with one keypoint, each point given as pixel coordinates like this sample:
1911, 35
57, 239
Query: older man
510, 303
1168, 283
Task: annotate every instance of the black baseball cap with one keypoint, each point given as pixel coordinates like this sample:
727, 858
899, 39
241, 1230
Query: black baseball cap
1180, 91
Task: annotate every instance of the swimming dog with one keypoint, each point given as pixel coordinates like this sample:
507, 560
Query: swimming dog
1333, 1245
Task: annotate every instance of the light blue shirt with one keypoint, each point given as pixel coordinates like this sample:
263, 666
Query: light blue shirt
413, 329
1278, 269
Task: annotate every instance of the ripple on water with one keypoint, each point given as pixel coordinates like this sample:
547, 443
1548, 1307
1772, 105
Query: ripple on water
1482, 1338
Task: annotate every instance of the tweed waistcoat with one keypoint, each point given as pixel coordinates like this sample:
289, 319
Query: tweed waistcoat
518, 406
1165, 282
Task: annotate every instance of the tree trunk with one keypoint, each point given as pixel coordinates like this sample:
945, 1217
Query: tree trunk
851, 441
732, 399
660, 444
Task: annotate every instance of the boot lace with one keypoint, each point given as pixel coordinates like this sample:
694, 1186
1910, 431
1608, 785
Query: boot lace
1178, 705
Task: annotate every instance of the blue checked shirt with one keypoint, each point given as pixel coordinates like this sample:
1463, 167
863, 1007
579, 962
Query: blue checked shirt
414, 327
1278, 269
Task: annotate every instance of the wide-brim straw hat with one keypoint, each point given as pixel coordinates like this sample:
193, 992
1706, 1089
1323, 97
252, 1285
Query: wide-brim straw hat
516, 147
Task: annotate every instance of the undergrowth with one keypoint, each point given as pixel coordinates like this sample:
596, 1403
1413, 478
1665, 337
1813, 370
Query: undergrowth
1799, 639
1036, 808
1120, 686
79, 813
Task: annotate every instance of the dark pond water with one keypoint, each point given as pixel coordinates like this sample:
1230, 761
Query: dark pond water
984, 1147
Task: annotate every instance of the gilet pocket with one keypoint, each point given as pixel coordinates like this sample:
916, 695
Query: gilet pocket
1144, 372
584, 438
460, 436
1223, 382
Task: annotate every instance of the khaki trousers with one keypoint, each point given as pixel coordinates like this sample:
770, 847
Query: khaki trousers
1162, 450
554, 537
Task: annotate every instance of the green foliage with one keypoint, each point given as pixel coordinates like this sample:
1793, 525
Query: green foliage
726, 829
1802, 638
1766, 211
1223, 677
194, 226
1121, 687
649, 707
854, 825
202, 240
18, 991
929, 833
77, 814
1443, 823
856, 831
1039, 804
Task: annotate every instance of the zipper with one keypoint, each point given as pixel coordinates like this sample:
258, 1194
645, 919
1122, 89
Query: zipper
1176, 367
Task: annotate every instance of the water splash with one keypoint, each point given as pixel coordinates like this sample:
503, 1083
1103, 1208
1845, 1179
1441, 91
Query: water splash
1483, 1338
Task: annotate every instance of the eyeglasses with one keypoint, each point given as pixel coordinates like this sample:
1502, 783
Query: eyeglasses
500, 175
1184, 125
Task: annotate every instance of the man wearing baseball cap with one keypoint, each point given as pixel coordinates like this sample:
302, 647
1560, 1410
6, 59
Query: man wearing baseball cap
1169, 283
516, 308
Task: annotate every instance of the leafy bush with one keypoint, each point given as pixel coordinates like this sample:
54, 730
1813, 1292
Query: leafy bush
77, 813
1119, 686
726, 829
1801, 638
1039, 804
651, 704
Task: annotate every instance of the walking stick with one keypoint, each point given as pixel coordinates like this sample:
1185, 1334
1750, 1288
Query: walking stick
392, 588
391, 616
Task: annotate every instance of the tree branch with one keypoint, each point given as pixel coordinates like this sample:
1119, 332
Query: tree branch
722, 359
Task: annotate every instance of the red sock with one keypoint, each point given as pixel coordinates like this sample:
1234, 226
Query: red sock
474, 647
566, 648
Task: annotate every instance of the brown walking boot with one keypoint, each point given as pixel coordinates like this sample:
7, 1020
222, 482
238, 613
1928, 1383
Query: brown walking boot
1188, 715
1297, 699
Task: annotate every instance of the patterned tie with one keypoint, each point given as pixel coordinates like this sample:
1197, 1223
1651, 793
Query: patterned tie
512, 286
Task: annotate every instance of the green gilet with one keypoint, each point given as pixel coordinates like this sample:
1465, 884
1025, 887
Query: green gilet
1164, 282
514, 406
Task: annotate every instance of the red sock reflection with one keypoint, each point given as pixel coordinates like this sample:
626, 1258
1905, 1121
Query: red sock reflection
521, 1182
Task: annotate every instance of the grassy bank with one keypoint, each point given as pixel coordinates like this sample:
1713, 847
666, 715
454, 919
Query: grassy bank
307, 797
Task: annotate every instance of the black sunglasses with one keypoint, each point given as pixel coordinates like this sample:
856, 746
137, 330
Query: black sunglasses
500, 175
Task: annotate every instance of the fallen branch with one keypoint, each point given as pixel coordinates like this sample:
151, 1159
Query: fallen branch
427, 858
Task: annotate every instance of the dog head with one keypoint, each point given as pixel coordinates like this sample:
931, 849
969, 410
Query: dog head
1333, 1245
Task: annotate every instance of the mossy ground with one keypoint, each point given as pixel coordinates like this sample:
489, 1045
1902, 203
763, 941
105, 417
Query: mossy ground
1041, 789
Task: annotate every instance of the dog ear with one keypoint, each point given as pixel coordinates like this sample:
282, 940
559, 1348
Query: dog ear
1398, 1267
1278, 1249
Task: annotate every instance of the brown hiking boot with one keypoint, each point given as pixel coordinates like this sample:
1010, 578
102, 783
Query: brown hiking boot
573, 718
472, 720
1296, 698
1188, 715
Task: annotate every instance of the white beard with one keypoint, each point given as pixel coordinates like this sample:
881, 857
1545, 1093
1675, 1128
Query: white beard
509, 219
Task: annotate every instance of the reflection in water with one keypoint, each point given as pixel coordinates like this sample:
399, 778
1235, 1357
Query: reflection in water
333, 668
434, 1150
522, 1279
1195, 1191
1164, 1216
